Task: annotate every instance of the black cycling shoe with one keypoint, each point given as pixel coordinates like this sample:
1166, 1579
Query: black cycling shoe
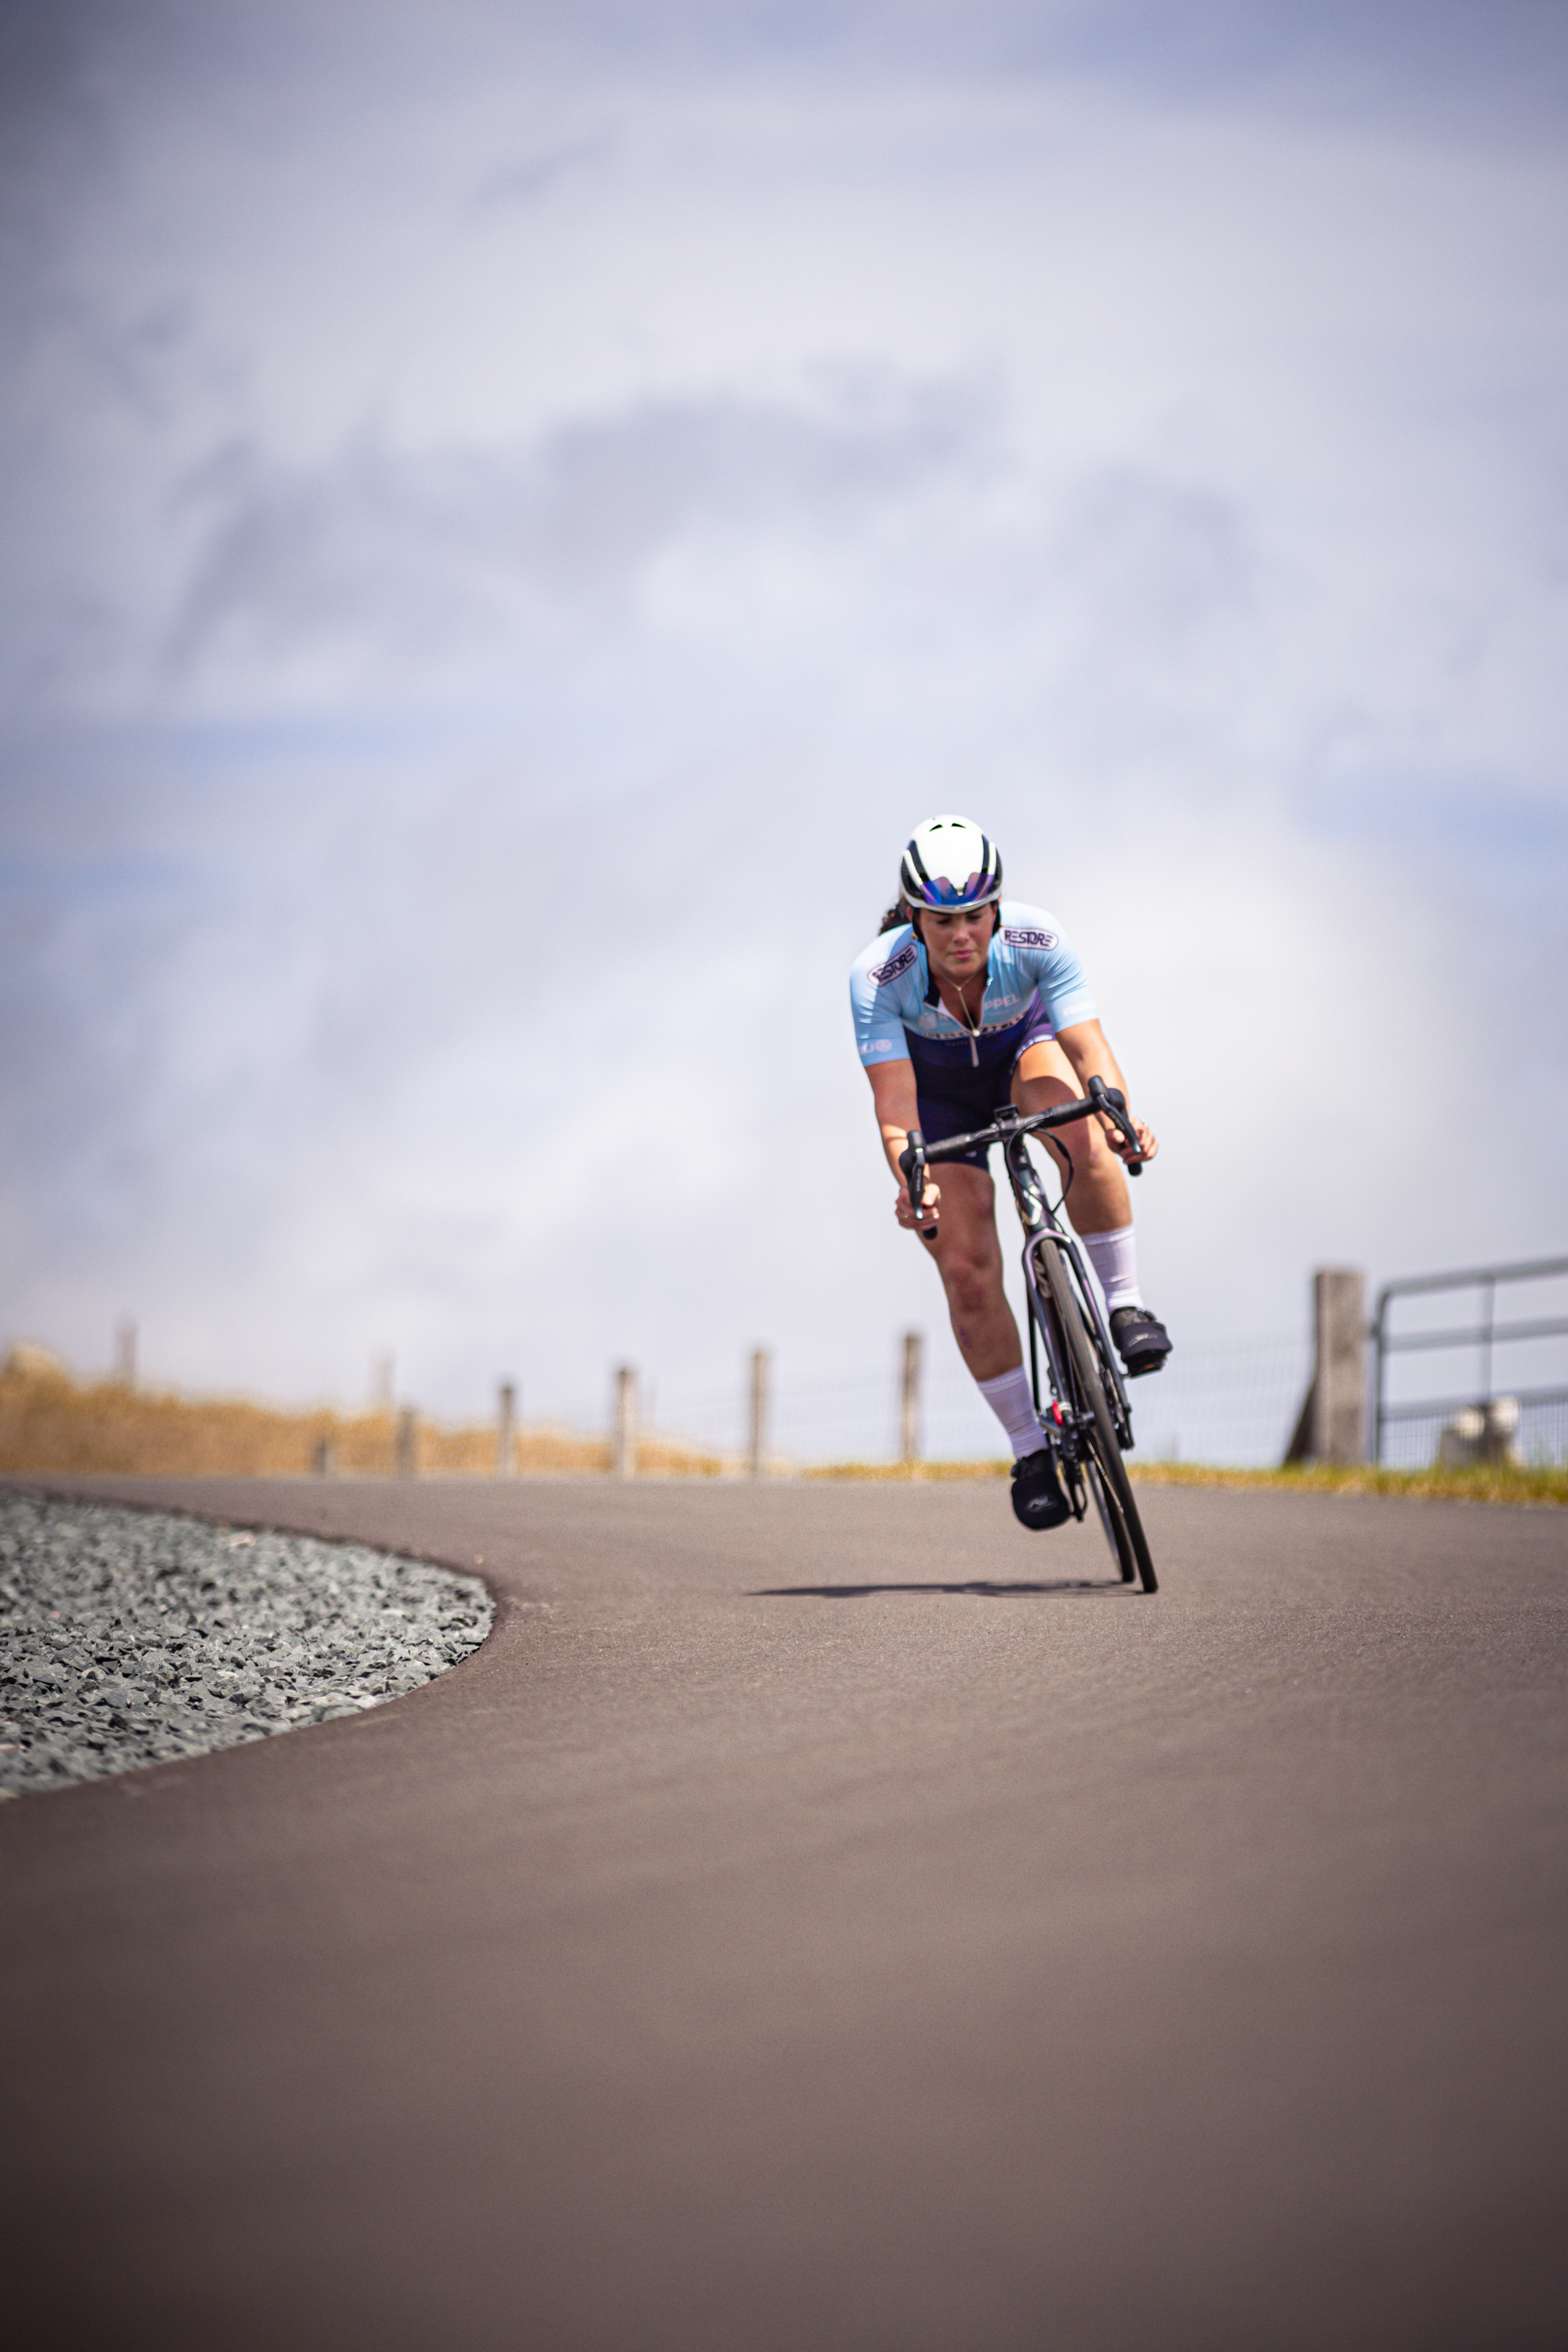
1141, 1340
1038, 1497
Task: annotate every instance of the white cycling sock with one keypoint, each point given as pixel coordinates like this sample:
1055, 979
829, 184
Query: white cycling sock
1114, 1257
1012, 1399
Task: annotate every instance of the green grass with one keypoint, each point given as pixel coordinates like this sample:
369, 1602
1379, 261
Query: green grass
1484, 1483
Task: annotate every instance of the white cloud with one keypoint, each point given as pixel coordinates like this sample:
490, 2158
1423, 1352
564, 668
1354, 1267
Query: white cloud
459, 531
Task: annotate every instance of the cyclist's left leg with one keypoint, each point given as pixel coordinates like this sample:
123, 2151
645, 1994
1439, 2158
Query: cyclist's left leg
1097, 1202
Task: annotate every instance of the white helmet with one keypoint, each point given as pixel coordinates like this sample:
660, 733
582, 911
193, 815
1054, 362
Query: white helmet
949, 864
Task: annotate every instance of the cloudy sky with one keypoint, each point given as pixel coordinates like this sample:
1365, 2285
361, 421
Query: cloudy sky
513, 511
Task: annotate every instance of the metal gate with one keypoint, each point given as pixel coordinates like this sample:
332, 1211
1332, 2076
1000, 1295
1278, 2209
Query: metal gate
1487, 1335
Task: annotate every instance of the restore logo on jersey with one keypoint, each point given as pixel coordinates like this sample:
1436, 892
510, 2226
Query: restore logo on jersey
1020, 938
883, 973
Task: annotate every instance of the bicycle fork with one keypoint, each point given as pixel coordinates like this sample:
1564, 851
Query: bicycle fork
1057, 1419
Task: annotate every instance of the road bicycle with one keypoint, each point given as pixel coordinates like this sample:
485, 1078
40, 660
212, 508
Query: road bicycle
1086, 1421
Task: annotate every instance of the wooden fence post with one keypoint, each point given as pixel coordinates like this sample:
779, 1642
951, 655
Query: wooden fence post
757, 1444
624, 1426
506, 1431
910, 1401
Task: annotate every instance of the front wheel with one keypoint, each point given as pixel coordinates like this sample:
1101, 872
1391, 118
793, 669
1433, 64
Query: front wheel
1105, 1469
1111, 1520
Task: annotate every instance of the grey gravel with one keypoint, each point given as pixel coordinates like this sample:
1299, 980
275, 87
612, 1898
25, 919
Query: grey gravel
129, 1637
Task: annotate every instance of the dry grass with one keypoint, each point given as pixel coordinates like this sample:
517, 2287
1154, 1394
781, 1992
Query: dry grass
50, 1423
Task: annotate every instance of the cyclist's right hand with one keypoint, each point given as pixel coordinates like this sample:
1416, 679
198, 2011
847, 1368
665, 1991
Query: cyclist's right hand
931, 1205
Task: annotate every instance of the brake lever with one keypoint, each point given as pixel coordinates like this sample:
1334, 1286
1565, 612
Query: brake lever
1112, 1099
913, 1160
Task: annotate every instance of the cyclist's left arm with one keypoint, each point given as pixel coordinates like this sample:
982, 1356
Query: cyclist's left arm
1085, 1045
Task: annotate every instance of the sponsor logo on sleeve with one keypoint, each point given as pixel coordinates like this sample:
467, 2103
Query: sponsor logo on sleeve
882, 973
1019, 936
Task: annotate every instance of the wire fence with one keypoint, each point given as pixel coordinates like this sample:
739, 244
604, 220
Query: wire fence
1234, 1402
1231, 1402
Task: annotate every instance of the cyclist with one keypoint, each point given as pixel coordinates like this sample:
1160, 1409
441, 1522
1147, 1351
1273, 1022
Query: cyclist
966, 1001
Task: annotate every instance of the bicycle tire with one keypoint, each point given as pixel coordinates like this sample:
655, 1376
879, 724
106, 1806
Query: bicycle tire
1083, 1359
1111, 1520
1089, 1475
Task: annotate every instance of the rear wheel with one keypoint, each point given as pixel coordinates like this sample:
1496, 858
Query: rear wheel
1106, 1473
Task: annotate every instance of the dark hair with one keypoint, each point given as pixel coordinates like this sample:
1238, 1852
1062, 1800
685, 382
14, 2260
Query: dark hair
904, 913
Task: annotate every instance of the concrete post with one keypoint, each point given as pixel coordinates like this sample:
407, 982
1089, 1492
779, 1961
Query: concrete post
910, 1401
506, 1431
757, 1442
1339, 1381
624, 1424
408, 1443
1332, 1424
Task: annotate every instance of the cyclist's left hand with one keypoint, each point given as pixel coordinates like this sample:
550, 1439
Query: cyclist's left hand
1148, 1141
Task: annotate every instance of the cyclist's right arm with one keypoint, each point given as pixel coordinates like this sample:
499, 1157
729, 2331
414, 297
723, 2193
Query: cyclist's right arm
893, 1091
885, 985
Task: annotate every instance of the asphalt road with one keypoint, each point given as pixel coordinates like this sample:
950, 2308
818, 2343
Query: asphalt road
825, 1916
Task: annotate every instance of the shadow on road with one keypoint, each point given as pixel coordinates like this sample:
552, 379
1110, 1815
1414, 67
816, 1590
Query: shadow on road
983, 1586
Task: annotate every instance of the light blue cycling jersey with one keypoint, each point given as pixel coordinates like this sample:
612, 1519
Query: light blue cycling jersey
1035, 986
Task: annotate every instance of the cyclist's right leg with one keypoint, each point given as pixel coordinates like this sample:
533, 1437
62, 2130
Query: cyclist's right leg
968, 1257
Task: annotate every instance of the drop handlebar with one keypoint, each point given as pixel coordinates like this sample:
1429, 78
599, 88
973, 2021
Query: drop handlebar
918, 1155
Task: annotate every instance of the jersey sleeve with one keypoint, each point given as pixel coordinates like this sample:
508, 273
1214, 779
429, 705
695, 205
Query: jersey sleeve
878, 984
1048, 957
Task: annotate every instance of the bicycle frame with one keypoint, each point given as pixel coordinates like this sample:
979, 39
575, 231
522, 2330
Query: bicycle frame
1011, 1129
1088, 1426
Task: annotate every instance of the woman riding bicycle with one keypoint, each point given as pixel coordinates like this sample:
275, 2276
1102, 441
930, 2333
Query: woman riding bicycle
973, 1002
